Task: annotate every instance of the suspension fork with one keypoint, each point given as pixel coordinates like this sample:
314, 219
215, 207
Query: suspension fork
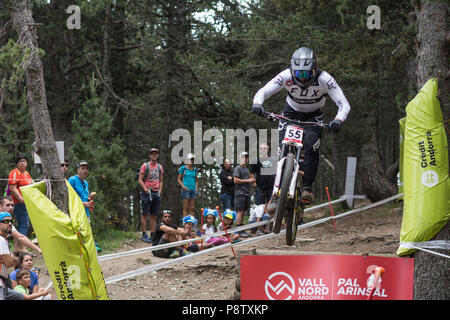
291, 192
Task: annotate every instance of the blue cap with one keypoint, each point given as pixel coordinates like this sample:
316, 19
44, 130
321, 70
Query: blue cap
210, 212
230, 214
4, 215
188, 219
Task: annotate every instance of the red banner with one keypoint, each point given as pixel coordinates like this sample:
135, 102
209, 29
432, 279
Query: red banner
326, 277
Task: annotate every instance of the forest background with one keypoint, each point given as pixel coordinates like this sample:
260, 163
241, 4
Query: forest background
135, 71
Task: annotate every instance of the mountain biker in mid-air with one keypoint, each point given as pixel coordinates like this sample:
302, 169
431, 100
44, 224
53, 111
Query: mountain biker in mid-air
307, 88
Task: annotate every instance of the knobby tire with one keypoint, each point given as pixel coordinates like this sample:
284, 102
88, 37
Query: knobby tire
293, 215
282, 200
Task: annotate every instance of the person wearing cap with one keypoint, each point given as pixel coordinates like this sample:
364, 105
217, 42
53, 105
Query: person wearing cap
20, 241
7, 260
188, 180
151, 181
242, 181
19, 177
189, 223
81, 186
229, 216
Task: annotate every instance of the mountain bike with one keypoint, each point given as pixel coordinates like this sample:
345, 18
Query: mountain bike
288, 182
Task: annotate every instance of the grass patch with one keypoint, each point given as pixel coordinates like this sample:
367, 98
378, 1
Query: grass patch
111, 239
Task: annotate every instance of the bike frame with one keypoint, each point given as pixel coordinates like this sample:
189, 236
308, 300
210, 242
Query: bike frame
290, 145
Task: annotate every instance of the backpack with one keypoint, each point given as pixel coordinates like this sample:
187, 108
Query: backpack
147, 171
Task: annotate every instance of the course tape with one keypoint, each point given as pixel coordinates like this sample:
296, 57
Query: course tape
237, 229
436, 244
134, 273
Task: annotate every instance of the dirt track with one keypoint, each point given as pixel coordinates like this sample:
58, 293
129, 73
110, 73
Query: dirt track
212, 276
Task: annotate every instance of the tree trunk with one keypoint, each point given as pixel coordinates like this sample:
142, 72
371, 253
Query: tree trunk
174, 102
45, 145
431, 272
376, 186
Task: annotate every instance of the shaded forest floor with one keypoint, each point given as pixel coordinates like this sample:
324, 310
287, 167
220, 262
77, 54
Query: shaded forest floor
212, 276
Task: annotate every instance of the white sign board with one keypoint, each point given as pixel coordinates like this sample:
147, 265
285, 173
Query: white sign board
59, 146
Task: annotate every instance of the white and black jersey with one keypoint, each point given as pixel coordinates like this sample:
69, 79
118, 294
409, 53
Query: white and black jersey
307, 99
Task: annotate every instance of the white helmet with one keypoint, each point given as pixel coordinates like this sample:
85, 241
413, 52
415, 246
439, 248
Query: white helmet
304, 67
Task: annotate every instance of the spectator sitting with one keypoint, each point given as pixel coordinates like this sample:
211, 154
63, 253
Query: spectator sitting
189, 223
7, 259
209, 228
20, 241
26, 264
166, 232
257, 215
23, 278
228, 220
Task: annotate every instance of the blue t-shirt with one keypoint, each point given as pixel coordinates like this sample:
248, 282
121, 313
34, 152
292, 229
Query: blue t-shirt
189, 177
33, 276
81, 187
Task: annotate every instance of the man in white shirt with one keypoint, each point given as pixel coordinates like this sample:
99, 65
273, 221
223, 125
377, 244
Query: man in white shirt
7, 260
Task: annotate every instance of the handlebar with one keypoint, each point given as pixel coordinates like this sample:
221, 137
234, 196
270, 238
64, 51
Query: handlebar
275, 117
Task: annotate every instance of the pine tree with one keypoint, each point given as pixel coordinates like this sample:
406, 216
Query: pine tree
95, 142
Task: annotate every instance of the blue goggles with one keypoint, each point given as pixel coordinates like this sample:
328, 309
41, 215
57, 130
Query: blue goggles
303, 74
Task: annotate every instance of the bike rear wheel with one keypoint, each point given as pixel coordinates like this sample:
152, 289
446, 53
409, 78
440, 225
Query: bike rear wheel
282, 200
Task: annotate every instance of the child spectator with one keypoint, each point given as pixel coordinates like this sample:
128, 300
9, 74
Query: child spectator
210, 227
189, 224
25, 263
23, 279
257, 215
228, 220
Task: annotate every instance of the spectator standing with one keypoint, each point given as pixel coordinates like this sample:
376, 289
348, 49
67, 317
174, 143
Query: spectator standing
167, 232
65, 167
151, 182
242, 181
188, 180
7, 260
227, 182
81, 186
264, 173
20, 241
19, 177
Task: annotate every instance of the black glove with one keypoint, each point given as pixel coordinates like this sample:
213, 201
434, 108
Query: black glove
258, 109
335, 125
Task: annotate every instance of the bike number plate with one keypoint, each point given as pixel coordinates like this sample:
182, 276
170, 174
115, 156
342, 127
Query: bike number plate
293, 135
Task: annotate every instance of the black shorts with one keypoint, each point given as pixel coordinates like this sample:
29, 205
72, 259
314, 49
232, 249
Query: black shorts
241, 203
163, 253
150, 205
262, 196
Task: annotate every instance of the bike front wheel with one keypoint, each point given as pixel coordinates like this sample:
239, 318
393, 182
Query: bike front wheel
293, 216
282, 200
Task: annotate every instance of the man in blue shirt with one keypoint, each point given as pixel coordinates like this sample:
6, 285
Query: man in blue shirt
81, 186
